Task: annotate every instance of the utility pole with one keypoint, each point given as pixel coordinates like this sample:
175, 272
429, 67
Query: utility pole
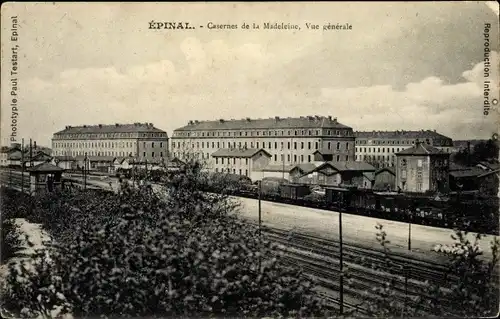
260, 221
22, 165
85, 172
409, 228
31, 153
341, 266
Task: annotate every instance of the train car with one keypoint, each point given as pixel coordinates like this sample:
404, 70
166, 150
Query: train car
337, 196
294, 191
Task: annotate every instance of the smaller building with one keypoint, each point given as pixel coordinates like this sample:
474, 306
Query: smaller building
271, 171
45, 177
385, 179
422, 168
240, 161
65, 162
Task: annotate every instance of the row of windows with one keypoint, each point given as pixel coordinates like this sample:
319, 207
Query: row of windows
375, 157
378, 150
258, 145
69, 136
103, 153
228, 170
440, 142
288, 159
101, 144
264, 133
383, 142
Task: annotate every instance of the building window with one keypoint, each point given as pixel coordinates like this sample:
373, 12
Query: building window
257, 144
288, 158
347, 158
222, 160
144, 154
246, 172
347, 146
144, 144
152, 154
329, 145
338, 145
216, 170
275, 157
234, 170
275, 145
245, 144
338, 158
152, 144
202, 144
302, 158
309, 158
246, 161
419, 163
302, 145
240, 171
294, 145
316, 145
234, 160
288, 145
308, 145
216, 160
295, 158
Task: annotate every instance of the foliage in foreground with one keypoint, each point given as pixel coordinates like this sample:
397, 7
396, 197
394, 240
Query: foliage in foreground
133, 254
472, 289
10, 241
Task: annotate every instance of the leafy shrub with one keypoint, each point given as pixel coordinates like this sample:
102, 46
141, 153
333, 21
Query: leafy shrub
474, 293
134, 254
10, 239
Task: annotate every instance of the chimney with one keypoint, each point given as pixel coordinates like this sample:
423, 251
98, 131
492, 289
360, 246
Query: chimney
100, 125
248, 119
276, 119
85, 126
116, 124
334, 120
34, 145
427, 141
329, 117
221, 120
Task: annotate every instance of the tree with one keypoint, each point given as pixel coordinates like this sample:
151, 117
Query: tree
137, 254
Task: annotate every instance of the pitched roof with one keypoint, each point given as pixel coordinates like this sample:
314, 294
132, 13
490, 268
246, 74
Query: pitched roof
45, 167
96, 158
386, 169
307, 168
422, 149
399, 134
497, 171
351, 166
471, 172
238, 152
490, 166
115, 128
65, 158
276, 122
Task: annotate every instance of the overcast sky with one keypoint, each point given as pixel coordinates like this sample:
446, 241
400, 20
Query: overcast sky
402, 66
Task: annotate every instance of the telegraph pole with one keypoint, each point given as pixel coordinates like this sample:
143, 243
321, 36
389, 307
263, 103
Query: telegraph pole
85, 172
409, 229
260, 221
341, 265
31, 153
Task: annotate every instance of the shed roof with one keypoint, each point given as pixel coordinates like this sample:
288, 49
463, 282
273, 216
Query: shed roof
45, 167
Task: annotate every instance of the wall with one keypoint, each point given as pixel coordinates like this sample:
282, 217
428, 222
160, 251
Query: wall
385, 179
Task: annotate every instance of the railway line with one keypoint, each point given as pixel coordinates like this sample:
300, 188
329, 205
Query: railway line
362, 279
367, 268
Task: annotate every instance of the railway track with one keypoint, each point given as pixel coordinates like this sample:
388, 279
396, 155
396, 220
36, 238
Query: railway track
318, 258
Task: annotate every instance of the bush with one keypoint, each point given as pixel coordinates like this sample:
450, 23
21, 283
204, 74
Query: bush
134, 254
10, 239
474, 294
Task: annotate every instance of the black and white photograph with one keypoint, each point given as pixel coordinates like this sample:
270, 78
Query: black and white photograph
250, 160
